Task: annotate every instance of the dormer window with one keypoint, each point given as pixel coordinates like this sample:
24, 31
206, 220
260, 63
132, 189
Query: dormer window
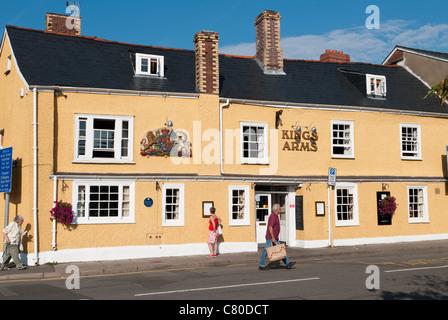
376, 86
149, 65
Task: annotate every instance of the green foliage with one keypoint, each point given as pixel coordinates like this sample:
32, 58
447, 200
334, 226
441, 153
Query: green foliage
440, 90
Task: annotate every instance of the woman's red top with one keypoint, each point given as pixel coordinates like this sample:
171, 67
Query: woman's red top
210, 227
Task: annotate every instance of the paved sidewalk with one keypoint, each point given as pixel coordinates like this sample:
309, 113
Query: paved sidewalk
98, 268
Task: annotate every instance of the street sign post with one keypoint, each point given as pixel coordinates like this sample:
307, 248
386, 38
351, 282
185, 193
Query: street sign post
331, 183
332, 177
5, 181
5, 170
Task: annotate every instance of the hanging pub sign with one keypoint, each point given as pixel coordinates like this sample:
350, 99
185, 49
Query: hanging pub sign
166, 142
299, 140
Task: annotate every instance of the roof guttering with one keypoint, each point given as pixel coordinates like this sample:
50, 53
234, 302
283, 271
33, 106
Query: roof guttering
294, 105
115, 91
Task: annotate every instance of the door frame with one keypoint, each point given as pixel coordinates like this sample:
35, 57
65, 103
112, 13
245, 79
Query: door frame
289, 212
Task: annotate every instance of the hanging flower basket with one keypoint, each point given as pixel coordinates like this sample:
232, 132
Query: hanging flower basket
388, 206
62, 212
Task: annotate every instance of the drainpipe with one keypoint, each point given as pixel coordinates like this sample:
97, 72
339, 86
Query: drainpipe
55, 195
36, 253
221, 147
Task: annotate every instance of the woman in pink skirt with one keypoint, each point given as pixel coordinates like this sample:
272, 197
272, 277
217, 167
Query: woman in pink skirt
213, 232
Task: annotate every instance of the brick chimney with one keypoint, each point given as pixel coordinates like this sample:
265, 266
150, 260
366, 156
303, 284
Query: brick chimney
61, 23
207, 61
269, 53
334, 56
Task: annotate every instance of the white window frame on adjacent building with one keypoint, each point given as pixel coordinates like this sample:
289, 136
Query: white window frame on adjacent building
342, 138
418, 204
254, 143
346, 204
90, 141
149, 65
103, 202
376, 86
173, 202
239, 205
412, 140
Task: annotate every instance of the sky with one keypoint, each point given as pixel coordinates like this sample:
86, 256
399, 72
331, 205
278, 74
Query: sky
308, 28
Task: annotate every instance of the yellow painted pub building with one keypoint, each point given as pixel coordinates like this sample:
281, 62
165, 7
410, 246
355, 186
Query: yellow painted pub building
142, 140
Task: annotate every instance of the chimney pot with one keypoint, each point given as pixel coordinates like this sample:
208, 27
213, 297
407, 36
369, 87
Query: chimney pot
334, 56
61, 23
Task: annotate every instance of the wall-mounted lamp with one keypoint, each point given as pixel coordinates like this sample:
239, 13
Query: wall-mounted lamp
313, 128
296, 127
168, 123
278, 121
58, 94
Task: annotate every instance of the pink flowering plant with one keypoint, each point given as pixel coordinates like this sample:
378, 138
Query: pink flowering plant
388, 206
62, 212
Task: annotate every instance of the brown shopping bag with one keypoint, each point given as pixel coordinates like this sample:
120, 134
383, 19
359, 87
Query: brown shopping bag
276, 253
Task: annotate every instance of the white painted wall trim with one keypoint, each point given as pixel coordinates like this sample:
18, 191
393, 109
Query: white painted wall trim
136, 252
308, 244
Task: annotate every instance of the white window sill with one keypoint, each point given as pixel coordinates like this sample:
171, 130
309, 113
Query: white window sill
84, 221
347, 224
254, 161
107, 161
173, 224
238, 224
412, 158
335, 156
419, 221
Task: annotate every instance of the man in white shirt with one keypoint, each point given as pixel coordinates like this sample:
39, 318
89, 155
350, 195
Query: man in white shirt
12, 234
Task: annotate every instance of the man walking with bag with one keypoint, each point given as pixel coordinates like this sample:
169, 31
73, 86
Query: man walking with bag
272, 232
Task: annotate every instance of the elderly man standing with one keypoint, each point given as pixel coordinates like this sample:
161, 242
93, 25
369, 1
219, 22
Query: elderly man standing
12, 234
272, 233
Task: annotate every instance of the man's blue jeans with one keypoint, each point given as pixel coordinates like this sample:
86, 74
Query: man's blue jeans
264, 255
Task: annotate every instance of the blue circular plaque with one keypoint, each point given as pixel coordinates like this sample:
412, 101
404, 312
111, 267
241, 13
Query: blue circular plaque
148, 202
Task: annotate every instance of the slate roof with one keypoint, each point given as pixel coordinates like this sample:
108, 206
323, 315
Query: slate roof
49, 59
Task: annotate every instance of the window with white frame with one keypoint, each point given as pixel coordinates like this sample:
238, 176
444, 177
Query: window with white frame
376, 86
342, 139
410, 142
418, 204
100, 138
150, 65
103, 201
254, 143
239, 206
346, 195
173, 205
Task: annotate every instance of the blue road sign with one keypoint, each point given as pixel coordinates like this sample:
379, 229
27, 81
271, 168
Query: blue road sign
332, 177
5, 170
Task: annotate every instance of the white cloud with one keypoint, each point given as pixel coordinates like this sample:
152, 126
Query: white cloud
362, 44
